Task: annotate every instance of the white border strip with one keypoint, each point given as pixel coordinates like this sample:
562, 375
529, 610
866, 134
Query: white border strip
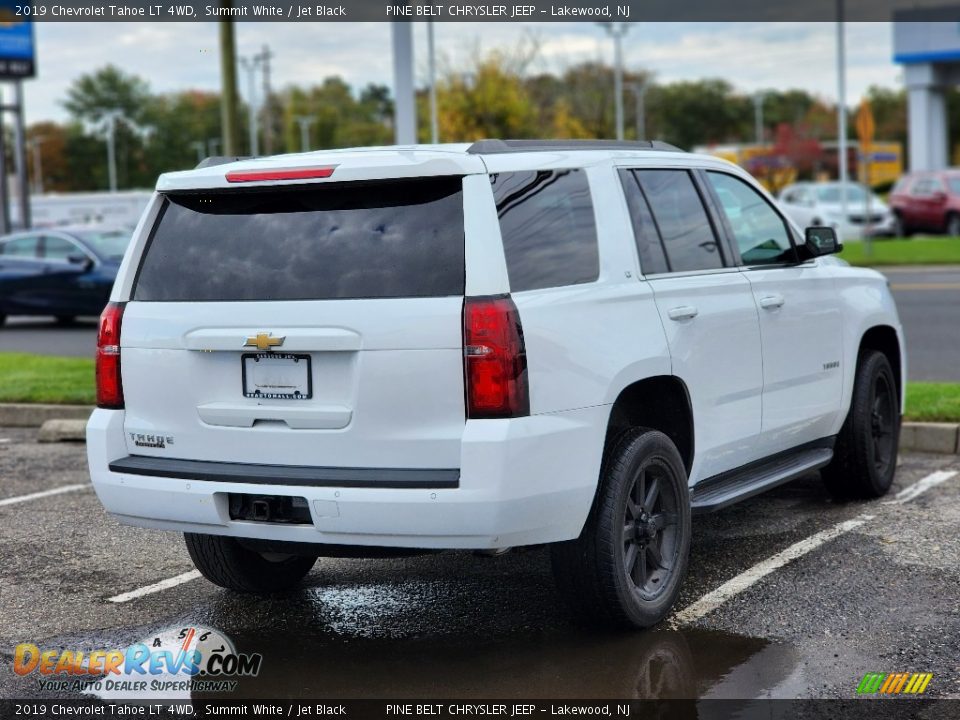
155, 588
45, 493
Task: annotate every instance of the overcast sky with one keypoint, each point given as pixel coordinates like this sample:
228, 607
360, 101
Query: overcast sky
177, 56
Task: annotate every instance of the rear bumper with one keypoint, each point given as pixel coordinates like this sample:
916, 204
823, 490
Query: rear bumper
523, 481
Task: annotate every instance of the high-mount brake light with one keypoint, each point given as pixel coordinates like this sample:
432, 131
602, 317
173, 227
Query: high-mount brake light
317, 173
494, 358
109, 386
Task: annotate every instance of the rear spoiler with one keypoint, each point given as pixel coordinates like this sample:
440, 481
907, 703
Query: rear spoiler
220, 160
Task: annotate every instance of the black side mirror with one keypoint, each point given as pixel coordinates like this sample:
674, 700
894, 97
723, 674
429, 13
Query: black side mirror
820, 240
80, 259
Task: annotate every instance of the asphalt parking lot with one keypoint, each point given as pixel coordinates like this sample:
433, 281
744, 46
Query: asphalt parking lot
927, 299
788, 595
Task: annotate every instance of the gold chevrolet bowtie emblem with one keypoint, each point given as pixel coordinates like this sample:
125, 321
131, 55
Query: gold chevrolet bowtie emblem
264, 341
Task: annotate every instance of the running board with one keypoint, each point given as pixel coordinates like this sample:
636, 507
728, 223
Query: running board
719, 491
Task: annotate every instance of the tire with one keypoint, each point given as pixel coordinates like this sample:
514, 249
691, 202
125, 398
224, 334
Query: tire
952, 226
865, 456
224, 562
627, 566
900, 228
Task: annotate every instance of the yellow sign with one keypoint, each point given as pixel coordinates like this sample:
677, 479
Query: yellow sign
865, 124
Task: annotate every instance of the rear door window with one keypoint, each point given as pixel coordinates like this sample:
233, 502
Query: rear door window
688, 236
402, 238
548, 228
27, 248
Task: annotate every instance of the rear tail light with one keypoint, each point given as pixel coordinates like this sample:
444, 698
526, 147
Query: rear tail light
494, 359
109, 387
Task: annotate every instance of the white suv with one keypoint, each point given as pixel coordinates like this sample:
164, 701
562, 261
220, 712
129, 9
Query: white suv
483, 346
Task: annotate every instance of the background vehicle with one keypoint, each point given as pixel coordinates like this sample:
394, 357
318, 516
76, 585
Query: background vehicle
482, 346
928, 201
64, 272
821, 204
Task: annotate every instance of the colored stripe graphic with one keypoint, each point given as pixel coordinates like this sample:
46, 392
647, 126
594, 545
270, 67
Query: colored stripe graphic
870, 683
894, 683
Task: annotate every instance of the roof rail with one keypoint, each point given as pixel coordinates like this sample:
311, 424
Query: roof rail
494, 147
220, 160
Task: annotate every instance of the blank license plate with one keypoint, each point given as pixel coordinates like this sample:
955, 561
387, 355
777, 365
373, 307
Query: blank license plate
276, 376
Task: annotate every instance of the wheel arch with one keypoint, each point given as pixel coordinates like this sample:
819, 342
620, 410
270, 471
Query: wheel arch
885, 339
660, 403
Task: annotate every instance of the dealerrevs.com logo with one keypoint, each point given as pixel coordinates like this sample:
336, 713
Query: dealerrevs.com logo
894, 683
177, 660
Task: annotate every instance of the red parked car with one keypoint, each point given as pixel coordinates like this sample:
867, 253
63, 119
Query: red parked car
928, 201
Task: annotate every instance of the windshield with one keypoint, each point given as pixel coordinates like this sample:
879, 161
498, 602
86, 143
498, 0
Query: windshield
830, 194
954, 183
109, 244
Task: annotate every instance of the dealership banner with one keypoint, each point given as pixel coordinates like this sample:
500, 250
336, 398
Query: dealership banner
510, 709
471, 11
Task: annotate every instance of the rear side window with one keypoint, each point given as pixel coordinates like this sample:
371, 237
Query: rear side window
548, 228
333, 241
681, 218
653, 259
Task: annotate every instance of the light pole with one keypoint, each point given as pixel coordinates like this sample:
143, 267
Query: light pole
404, 93
201, 148
617, 31
432, 65
640, 94
305, 121
35, 143
250, 65
758, 98
111, 126
842, 109
213, 146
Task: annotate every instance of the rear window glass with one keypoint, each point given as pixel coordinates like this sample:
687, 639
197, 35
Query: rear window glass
548, 229
333, 241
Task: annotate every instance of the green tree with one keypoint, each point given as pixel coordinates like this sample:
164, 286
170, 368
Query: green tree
93, 97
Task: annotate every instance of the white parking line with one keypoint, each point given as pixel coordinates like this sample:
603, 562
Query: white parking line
920, 487
45, 493
155, 588
4, 440
717, 597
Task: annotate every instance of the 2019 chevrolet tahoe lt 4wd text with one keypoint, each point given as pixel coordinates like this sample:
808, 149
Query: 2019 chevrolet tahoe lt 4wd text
482, 346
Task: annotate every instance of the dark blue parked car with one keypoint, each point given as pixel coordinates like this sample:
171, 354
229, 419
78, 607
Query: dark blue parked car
63, 271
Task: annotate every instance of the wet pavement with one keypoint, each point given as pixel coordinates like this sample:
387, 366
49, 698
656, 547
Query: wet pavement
884, 597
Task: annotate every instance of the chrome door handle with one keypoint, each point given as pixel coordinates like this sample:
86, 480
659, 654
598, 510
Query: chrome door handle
772, 302
684, 312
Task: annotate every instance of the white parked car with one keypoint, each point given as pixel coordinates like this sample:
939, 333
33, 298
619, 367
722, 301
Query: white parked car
822, 204
482, 346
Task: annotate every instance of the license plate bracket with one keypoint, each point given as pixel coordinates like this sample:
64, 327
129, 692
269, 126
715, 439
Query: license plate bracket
276, 376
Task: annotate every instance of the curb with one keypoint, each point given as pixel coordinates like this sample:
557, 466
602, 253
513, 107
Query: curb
63, 431
941, 438
36, 414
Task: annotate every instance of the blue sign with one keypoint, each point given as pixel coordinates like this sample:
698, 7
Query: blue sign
16, 44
